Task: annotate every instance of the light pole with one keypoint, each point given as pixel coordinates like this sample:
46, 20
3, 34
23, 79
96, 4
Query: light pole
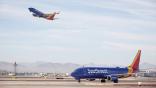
15, 65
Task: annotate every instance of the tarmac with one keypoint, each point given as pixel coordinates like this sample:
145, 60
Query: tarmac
71, 83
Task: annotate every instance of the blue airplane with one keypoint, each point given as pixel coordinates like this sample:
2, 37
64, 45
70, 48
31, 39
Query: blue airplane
109, 73
37, 13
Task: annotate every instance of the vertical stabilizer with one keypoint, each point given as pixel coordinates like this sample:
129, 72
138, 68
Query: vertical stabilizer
135, 64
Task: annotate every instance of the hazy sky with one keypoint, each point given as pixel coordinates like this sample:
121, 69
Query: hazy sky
87, 31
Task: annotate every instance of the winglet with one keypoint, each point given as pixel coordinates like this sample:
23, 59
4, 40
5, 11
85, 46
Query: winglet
135, 64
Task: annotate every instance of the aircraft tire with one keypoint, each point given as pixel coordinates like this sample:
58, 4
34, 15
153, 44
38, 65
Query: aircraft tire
115, 81
79, 80
103, 80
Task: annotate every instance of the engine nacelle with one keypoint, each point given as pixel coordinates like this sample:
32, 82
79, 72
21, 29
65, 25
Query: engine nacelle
91, 79
34, 15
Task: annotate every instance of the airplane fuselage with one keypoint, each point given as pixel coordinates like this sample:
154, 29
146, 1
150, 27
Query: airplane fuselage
97, 72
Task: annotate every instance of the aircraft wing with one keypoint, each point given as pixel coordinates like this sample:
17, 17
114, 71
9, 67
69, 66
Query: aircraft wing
123, 75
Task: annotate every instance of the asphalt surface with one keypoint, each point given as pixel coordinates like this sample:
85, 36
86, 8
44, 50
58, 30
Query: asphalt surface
71, 83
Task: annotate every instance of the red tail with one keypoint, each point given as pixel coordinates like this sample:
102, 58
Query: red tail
51, 16
135, 63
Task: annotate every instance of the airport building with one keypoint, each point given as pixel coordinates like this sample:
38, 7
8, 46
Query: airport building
4, 73
147, 73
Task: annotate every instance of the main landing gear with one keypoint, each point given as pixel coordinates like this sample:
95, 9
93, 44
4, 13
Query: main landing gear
79, 80
103, 80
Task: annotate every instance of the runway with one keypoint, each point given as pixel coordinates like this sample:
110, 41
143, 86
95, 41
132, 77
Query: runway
71, 83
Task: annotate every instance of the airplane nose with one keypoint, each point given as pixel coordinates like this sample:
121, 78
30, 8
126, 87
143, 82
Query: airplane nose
72, 74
